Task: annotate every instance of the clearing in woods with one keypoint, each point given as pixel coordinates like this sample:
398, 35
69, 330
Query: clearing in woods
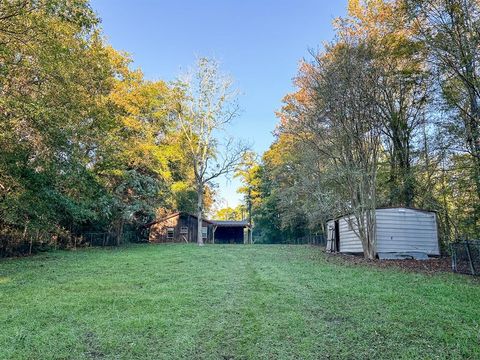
229, 302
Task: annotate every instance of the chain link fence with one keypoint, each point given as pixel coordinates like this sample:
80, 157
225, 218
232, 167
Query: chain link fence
110, 239
310, 240
100, 239
19, 244
466, 257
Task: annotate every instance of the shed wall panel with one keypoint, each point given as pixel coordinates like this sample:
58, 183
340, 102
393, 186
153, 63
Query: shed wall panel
349, 241
403, 230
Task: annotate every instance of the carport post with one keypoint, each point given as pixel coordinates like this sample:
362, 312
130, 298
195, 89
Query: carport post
214, 229
249, 234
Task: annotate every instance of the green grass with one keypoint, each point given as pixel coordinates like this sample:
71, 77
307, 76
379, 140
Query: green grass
229, 302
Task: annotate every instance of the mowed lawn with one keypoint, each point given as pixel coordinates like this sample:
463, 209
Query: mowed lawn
229, 302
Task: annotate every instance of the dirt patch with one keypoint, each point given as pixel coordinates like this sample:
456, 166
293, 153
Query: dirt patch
93, 351
430, 266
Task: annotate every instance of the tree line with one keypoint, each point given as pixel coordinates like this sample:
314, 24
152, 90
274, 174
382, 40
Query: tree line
87, 144
387, 114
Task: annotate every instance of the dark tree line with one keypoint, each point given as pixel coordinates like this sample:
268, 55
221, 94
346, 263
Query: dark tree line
86, 143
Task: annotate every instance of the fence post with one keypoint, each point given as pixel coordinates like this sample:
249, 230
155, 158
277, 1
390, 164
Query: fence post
453, 251
467, 247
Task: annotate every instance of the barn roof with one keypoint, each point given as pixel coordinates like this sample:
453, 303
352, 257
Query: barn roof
173, 215
218, 223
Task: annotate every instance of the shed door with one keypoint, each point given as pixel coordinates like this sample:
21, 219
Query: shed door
337, 236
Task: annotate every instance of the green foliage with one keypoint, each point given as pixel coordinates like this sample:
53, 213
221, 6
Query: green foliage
86, 143
277, 217
55, 77
228, 213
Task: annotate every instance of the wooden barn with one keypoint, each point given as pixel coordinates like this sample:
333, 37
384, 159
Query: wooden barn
181, 227
399, 233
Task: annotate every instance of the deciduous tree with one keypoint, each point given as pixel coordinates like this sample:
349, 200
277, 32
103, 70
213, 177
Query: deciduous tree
207, 107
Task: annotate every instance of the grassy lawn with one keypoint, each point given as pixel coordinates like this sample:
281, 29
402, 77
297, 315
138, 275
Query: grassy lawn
229, 302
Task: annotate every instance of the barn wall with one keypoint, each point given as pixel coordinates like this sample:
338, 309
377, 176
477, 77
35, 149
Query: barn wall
402, 230
349, 241
195, 227
158, 231
192, 229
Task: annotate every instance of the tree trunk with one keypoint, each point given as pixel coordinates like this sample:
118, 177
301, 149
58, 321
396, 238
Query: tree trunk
366, 232
199, 215
120, 231
366, 216
402, 185
25, 236
371, 236
472, 123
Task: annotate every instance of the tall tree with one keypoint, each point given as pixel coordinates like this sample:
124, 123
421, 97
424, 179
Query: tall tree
208, 106
337, 113
133, 158
399, 59
86, 144
55, 78
451, 32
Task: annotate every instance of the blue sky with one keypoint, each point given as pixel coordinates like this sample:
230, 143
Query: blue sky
259, 43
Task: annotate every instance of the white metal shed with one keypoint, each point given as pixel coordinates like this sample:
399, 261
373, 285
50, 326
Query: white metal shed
400, 232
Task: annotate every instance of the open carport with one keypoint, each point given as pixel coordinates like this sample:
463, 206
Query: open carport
230, 232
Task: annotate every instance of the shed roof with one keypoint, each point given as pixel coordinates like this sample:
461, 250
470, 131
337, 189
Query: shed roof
386, 207
230, 223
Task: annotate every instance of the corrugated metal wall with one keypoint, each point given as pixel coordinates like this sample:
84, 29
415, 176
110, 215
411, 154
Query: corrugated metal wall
349, 241
397, 230
401, 230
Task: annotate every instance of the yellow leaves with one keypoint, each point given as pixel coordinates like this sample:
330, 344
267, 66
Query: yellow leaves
120, 62
132, 124
180, 186
141, 112
277, 152
385, 27
146, 149
372, 19
355, 9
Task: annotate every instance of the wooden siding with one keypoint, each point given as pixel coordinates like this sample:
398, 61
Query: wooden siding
403, 230
158, 231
